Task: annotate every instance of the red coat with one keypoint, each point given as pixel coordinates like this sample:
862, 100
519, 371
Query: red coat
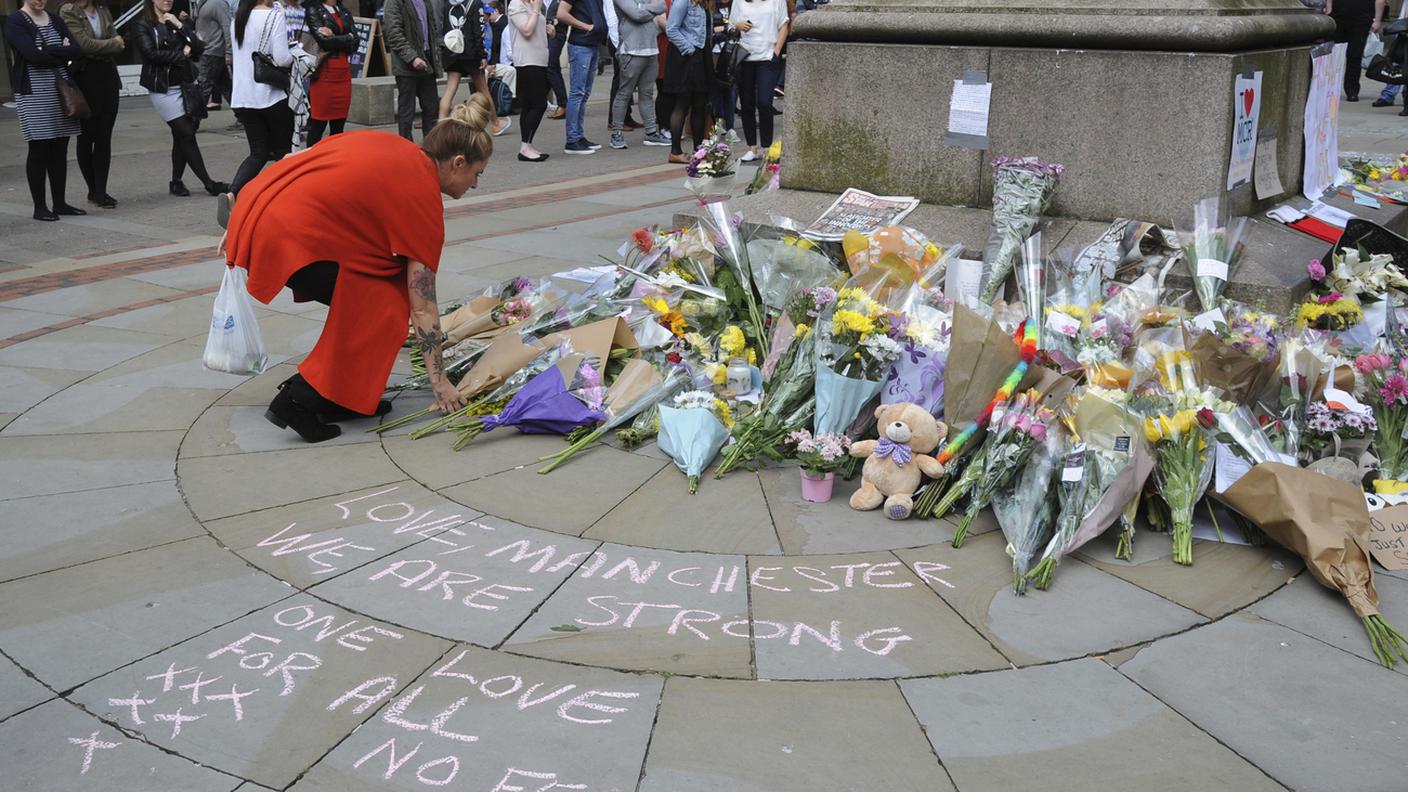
368, 201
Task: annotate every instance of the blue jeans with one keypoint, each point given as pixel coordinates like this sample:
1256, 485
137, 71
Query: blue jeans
725, 101
755, 89
1390, 93
582, 61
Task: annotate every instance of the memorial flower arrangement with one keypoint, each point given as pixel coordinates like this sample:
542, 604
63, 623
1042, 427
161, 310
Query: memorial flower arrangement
1385, 389
820, 454
644, 348
692, 428
1021, 192
1212, 248
715, 156
1011, 437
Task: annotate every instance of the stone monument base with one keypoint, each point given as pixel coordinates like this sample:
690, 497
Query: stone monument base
1141, 133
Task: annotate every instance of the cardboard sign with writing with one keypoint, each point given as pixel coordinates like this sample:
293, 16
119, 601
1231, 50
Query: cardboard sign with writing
1388, 537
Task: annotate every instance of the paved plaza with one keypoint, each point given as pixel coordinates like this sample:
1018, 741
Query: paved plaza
192, 600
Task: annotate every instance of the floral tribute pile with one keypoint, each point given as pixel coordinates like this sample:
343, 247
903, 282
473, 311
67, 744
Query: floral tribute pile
1096, 401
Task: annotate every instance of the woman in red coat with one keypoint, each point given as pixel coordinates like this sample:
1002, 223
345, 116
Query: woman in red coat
373, 272
330, 92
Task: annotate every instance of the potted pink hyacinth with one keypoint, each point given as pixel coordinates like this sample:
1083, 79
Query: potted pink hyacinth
820, 457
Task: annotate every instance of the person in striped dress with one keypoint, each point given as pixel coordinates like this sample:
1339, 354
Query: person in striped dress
43, 47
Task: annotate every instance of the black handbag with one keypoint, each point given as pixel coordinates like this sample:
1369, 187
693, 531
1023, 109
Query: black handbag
193, 100
1385, 71
729, 63
265, 71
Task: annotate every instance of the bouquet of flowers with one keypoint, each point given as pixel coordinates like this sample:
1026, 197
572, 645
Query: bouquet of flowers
1386, 391
1359, 274
1183, 462
769, 175
1239, 356
854, 351
1212, 249
642, 429
1023, 509
788, 404
1021, 192
1102, 474
1331, 311
922, 328
692, 430
561, 398
1011, 437
819, 454
1332, 432
637, 388
712, 165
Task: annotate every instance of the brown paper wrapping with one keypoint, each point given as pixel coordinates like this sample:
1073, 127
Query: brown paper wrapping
598, 338
634, 380
980, 356
474, 319
506, 354
1324, 520
1240, 376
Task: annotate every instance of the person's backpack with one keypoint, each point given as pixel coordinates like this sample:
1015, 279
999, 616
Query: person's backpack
503, 97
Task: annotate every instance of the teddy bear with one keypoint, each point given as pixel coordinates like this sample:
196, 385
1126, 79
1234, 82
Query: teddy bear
894, 463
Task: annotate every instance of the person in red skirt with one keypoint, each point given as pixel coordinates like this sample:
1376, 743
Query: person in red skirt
330, 92
374, 274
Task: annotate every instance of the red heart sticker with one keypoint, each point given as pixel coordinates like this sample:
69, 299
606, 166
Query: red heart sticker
1247, 97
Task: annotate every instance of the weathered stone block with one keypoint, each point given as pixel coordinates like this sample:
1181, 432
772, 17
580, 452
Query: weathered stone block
373, 101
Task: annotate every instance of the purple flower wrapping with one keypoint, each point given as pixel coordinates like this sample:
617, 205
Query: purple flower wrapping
544, 406
917, 377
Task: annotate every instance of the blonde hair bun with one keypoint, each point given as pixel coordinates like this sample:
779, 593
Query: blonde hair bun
476, 112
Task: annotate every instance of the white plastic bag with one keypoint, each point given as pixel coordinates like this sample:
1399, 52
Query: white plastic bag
234, 344
1374, 45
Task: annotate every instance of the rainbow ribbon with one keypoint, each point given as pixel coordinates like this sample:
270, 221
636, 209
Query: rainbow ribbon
1025, 337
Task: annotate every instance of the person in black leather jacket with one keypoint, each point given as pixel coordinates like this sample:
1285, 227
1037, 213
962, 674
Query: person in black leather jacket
169, 48
330, 92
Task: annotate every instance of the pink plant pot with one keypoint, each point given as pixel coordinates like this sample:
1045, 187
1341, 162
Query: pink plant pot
817, 489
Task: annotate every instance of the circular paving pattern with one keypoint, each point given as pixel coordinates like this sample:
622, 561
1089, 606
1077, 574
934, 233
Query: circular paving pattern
227, 607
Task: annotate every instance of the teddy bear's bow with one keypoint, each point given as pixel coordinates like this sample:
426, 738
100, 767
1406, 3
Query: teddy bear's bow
898, 453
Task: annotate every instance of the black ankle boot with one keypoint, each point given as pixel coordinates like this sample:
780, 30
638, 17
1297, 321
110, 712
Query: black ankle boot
334, 413
179, 189
296, 407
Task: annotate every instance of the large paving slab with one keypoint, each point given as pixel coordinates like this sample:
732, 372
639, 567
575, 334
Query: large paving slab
1302, 711
1070, 726
256, 697
656, 610
260, 389
22, 388
112, 407
244, 430
278, 478
478, 586
73, 624
715, 734
47, 532
432, 460
18, 690
60, 748
568, 500
1310, 608
176, 320
483, 720
729, 515
307, 543
1224, 576
73, 463
858, 617
80, 348
171, 366
828, 528
1086, 611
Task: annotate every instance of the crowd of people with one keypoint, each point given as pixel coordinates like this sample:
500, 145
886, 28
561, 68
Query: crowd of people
676, 64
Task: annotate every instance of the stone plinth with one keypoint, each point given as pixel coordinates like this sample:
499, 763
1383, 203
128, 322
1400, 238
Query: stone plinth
1134, 98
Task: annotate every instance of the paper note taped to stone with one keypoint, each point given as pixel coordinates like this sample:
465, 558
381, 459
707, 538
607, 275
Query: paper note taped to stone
1388, 537
968, 110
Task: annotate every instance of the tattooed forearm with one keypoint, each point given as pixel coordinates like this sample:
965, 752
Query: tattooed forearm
429, 340
423, 282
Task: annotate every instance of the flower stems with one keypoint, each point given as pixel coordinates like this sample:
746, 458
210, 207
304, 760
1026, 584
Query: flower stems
468, 433
402, 421
961, 534
1183, 536
693, 484
924, 507
1387, 642
1124, 550
572, 450
1041, 574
